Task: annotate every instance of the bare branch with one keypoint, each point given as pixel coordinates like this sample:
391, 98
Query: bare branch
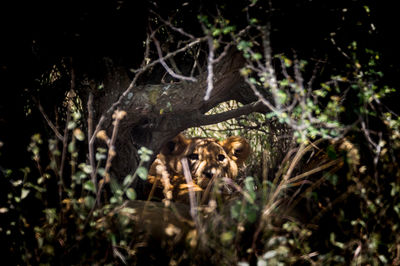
146, 52
174, 66
90, 135
223, 54
118, 116
196, 63
210, 70
164, 64
64, 151
216, 118
297, 74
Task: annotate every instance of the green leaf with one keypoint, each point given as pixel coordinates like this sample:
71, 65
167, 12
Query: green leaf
249, 183
89, 201
227, 237
113, 200
251, 214
270, 254
71, 147
88, 185
113, 240
127, 180
282, 97
130, 193
51, 215
216, 32
252, 80
243, 45
235, 210
145, 154
101, 150
228, 29
331, 152
76, 115
253, 21
71, 125
78, 134
116, 187
24, 193
256, 56
79, 176
100, 156
142, 172
333, 179
86, 168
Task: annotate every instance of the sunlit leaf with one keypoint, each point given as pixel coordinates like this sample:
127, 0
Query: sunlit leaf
130, 193
142, 172
78, 134
24, 193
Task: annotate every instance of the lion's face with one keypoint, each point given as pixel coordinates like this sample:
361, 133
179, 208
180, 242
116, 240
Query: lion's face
208, 159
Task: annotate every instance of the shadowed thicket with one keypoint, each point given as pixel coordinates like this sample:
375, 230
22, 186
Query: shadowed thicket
321, 185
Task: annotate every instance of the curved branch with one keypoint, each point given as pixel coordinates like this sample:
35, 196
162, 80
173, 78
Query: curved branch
201, 120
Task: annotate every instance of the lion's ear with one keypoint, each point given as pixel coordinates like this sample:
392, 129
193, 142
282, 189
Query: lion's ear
237, 148
175, 146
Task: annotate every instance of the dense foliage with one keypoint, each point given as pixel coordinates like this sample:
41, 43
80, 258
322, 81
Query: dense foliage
321, 187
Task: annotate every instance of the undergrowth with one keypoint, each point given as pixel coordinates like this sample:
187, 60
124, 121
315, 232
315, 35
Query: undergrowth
323, 193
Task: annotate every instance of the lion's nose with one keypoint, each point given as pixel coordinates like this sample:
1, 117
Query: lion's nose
209, 173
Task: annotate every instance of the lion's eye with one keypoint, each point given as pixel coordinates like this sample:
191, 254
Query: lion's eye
221, 157
193, 156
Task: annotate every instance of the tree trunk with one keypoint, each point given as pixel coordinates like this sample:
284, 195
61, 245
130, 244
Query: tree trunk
158, 112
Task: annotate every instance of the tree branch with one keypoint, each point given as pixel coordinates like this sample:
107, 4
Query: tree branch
90, 135
202, 120
164, 64
210, 69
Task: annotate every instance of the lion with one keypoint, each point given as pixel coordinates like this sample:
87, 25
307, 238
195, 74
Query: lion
208, 161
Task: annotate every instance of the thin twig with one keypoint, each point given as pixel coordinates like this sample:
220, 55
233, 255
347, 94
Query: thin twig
180, 30
196, 63
183, 49
51, 125
111, 152
297, 73
90, 135
232, 183
223, 54
64, 151
192, 199
315, 170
